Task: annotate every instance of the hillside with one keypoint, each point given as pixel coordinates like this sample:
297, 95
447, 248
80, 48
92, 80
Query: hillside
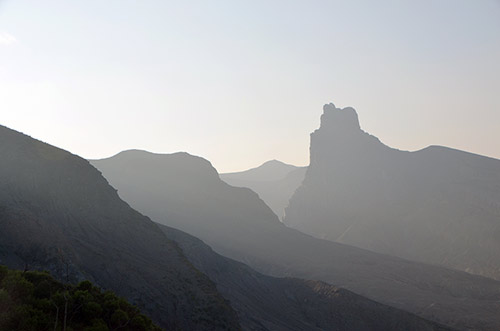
268, 303
186, 193
58, 213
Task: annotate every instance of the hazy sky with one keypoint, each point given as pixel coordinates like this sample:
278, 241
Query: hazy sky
242, 82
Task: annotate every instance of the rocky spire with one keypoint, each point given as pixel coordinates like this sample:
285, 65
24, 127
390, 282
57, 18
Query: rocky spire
343, 120
339, 138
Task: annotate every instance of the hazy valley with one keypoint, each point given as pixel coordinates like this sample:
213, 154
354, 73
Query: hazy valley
424, 222
172, 165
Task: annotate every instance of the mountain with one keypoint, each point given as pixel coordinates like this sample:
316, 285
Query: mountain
58, 213
274, 182
185, 192
436, 205
268, 171
268, 303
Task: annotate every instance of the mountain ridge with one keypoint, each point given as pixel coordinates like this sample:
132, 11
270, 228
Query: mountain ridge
429, 205
271, 170
237, 224
58, 213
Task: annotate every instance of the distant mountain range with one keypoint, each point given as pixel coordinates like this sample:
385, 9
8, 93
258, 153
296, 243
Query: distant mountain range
269, 171
426, 223
185, 192
437, 205
59, 214
274, 182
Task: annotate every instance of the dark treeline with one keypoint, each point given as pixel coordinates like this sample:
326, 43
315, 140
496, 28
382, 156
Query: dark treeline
33, 300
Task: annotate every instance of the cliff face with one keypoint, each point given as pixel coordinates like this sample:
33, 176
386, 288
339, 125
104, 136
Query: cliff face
436, 205
186, 193
58, 213
268, 303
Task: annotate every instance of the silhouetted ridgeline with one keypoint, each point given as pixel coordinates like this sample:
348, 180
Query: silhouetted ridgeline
437, 205
185, 192
58, 213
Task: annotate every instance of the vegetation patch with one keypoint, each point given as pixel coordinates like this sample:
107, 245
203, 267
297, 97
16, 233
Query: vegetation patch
34, 300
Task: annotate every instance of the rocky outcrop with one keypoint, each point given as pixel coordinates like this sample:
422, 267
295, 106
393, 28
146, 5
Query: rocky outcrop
436, 205
58, 213
186, 193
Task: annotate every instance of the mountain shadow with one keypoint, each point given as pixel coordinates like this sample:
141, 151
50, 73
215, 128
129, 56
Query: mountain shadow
186, 193
268, 303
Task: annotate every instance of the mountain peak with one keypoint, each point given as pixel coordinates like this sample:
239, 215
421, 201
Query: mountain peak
268, 171
340, 139
276, 164
273, 161
343, 119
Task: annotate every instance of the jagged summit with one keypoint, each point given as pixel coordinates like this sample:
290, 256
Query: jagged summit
342, 119
236, 223
341, 140
426, 205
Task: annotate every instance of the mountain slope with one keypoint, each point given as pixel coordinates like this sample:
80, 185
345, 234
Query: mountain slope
58, 213
186, 193
267, 303
274, 182
436, 205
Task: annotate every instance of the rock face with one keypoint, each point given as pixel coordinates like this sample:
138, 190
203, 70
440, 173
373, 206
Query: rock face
274, 182
58, 213
268, 303
185, 192
436, 205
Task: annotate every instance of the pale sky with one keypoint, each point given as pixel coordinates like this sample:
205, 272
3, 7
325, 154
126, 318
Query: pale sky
243, 82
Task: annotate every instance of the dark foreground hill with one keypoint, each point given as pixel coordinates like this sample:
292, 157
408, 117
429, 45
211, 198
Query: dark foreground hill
59, 214
287, 304
185, 192
33, 300
437, 205
274, 182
